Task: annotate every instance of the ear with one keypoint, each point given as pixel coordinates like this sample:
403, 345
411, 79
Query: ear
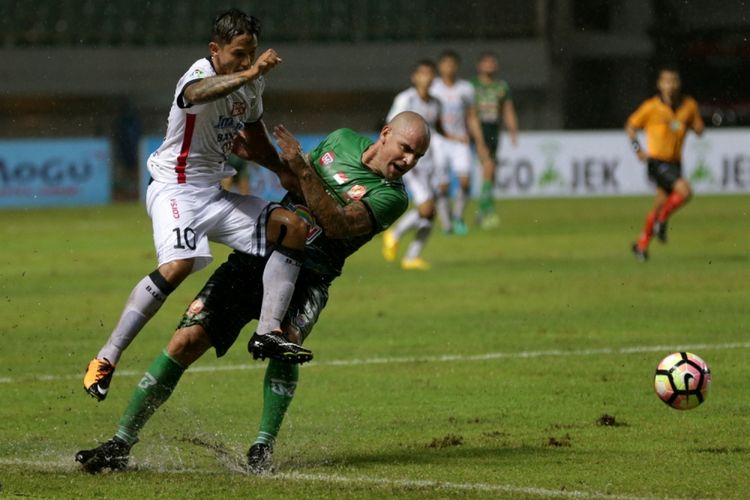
384, 133
213, 47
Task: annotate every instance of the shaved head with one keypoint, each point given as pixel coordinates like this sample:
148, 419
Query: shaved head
412, 124
402, 142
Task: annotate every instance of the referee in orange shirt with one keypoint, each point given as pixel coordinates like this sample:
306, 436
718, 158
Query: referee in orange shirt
665, 118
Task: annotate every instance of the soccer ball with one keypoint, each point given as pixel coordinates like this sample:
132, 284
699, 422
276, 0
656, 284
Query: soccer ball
682, 380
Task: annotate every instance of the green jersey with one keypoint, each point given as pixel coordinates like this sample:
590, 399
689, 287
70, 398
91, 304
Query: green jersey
490, 99
338, 162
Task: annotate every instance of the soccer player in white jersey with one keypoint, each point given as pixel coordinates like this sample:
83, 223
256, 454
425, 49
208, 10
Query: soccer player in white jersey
460, 123
420, 181
217, 107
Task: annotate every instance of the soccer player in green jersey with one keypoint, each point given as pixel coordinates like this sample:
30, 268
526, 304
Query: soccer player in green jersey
494, 103
352, 188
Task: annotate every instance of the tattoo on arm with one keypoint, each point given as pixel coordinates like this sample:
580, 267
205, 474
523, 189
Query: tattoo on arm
337, 221
212, 88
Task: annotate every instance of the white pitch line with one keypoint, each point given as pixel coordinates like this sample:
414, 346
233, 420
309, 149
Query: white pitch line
64, 466
446, 358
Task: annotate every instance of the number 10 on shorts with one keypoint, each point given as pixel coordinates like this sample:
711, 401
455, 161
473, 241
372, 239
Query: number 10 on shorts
185, 238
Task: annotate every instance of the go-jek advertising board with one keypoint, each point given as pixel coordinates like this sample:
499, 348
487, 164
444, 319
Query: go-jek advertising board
54, 172
603, 164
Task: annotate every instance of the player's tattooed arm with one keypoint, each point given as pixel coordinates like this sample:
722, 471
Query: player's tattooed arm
337, 222
214, 87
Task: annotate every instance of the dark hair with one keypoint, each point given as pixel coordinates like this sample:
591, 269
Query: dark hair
452, 54
424, 62
669, 68
485, 54
234, 23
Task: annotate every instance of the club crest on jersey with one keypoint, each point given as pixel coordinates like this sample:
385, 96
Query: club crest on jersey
327, 158
340, 178
238, 108
356, 192
198, 73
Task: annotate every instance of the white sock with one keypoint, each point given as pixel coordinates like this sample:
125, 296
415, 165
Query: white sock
424, 228
279, 278
443, 211
145, 299
405, 223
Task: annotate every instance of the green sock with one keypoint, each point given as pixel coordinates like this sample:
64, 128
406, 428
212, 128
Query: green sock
278, 391
486, 203
152, 391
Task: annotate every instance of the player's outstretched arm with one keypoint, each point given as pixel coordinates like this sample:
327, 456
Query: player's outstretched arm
213, 87
337, 222
253, 143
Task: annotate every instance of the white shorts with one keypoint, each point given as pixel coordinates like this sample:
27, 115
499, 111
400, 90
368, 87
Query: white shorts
451, 156
419, 181
186, 217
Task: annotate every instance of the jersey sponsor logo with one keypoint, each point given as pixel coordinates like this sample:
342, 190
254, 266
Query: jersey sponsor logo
356, 192
340, 178
238, 108
175, 208
304, 213
327, 158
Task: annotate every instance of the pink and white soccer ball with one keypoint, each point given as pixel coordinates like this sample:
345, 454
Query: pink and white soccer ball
682, 380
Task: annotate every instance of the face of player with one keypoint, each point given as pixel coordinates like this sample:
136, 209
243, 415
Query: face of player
448, 68
487, 66
668, 84
422, 78
401, 148
237, 55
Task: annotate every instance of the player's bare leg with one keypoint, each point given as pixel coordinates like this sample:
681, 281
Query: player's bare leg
144, 301
187, 345
681, 194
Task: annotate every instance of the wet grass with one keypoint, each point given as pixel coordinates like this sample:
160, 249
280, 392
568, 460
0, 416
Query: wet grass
496, 374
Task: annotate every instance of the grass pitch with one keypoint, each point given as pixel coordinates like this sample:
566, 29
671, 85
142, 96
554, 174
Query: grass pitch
490, 376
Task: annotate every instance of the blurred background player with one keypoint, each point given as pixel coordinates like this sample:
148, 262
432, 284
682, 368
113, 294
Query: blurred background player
665, 118
419, 181
353, 188
459, 121
494, 105
217, 106
239, 182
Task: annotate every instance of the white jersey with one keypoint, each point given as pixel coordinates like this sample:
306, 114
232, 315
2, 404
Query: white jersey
410, 100
455, 100
199, 136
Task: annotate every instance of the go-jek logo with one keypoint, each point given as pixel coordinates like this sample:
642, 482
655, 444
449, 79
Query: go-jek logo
551, 176
702, 173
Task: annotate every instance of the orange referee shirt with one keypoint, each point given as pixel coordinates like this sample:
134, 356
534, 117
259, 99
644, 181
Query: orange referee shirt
665, 127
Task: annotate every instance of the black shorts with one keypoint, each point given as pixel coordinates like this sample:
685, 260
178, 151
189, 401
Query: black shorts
233, 295
664, 173
491, 134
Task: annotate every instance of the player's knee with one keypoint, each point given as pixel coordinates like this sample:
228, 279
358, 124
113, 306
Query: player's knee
188, 344
427, 210
176, 271
286, 229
